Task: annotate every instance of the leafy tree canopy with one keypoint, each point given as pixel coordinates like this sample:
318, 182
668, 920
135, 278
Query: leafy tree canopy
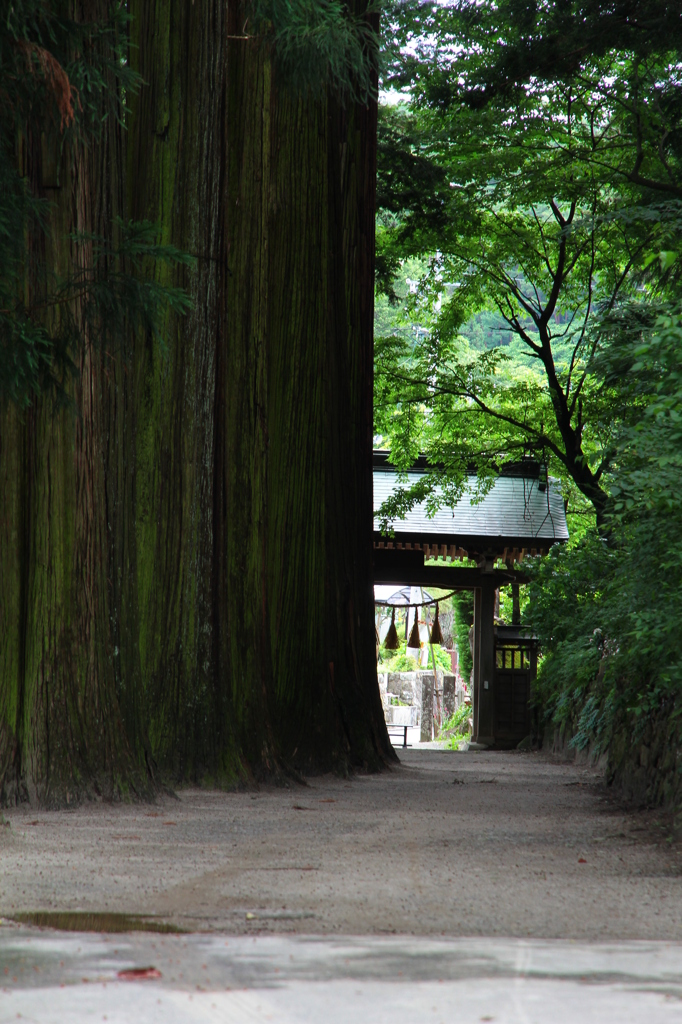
533, 171
545, 201
321, 44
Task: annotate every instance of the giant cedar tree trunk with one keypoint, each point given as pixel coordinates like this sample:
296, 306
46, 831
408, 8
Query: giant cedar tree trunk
62, 734
254, 436
175, 178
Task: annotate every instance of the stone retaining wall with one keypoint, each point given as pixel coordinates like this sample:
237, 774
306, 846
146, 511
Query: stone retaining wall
421, 704
643, 765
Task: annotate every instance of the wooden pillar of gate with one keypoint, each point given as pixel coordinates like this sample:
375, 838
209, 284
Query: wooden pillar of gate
476, 655
484, 664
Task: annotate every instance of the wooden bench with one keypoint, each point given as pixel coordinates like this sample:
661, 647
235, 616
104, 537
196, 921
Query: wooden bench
404, 728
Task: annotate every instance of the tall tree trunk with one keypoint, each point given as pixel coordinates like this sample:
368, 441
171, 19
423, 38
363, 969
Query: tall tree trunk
175, 178
275, 195
295, 382
186, 554
62, 735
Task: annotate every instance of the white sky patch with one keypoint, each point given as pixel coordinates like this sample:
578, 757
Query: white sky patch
392, 97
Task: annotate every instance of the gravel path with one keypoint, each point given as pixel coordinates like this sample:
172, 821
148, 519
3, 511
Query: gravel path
487, 843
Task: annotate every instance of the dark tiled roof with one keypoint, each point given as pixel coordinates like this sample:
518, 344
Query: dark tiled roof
515, 507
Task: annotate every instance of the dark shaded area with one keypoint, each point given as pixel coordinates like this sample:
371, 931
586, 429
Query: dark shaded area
81, 921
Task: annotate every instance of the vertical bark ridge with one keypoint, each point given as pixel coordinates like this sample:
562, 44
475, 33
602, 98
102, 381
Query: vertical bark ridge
288, 195
177, 137
312, 511
62, 737
189, 558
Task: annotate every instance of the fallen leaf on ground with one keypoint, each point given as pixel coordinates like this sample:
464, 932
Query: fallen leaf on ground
581, 860
138, 974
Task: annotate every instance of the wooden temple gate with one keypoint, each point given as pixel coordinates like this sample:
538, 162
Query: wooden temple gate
522, 514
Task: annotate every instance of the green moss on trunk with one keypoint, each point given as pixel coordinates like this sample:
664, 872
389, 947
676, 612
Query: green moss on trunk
62, 734
254, 437
175, 178
186, 559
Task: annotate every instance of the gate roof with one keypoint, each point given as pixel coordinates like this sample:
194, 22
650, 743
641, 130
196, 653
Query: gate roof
521, 513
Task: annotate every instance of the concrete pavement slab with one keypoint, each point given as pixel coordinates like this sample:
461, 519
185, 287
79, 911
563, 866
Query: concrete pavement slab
69, 978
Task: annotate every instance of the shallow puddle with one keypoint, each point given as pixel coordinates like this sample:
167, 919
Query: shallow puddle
81, 921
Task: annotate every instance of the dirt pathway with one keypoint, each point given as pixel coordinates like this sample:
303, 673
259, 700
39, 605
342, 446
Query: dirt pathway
450, 843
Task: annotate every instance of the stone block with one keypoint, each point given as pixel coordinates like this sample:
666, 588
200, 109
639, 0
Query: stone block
404, 716
407, 687
449, 695
427, 709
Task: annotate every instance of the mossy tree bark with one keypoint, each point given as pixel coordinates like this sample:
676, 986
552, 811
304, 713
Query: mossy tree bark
185, 555
254, 436
175, 178
62, 736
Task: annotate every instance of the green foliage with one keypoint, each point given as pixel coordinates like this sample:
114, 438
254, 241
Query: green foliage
455, 728
400, 661
539, 183
320, 44
64, 79
463, 604
56, 72
117, 292
397, 661
507, 602
608, 615
645, 354
442, 658
454, 723
542, 192
554, 255
453, 54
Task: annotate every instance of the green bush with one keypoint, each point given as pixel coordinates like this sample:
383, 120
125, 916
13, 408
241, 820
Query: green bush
400, 661
443, 659
452, 728
608, 609
397, 661
463, 606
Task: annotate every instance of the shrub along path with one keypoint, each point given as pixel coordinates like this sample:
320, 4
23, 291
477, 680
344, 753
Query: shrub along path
486, 843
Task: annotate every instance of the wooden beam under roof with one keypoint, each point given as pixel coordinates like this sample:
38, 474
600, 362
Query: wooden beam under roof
448, 577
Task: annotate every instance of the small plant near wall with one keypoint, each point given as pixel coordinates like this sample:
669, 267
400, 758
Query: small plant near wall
397, 661
456, 729
442, 659
401, 661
